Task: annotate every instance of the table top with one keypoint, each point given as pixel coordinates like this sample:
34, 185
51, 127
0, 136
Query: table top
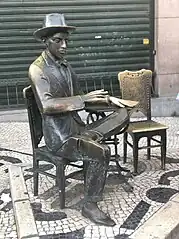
100, 107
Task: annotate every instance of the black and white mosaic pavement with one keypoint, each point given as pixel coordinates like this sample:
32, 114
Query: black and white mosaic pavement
152, 189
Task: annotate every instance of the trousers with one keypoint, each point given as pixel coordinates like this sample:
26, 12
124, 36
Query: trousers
90, 148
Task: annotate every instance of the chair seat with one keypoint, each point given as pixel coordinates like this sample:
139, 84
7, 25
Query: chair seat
145, 126
46, 155
43, 150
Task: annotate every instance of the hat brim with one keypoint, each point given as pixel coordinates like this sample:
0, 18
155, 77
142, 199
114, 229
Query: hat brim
49, 31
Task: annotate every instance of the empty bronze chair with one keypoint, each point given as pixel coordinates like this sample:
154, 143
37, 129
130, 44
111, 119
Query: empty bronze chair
137, 86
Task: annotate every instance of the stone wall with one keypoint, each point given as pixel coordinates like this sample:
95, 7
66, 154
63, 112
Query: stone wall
167, 47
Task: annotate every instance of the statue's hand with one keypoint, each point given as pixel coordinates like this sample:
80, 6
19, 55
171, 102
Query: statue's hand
123, 103
115, 101
101, 96
97, 96
101, 92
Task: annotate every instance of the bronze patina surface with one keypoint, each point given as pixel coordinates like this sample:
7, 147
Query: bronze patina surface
57, 94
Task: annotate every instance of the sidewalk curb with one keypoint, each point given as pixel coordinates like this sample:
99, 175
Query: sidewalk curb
24, 218
164, 224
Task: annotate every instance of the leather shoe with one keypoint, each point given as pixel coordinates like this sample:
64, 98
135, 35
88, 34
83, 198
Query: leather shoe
92, 212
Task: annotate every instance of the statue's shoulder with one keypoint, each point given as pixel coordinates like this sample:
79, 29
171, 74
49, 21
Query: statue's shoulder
36, 68
39, 62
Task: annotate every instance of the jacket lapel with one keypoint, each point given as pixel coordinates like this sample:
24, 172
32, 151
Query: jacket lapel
57, 77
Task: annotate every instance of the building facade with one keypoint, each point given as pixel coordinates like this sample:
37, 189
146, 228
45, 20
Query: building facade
167, 47
111, 36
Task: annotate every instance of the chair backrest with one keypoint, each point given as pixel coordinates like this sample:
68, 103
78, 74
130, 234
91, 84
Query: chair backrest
34, 116
136, 85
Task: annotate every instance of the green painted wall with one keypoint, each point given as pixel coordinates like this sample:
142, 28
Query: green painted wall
109, 38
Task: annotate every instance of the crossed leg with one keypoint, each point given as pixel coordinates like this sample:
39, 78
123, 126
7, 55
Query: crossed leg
89, 147
96, 160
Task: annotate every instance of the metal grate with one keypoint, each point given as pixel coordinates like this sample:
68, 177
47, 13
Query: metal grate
109, 38
11, 95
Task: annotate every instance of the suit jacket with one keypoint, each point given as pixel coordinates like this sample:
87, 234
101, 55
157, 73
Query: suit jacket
57, 95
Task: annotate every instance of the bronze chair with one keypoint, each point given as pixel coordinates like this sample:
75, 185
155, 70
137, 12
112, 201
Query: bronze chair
41, 153
137, 86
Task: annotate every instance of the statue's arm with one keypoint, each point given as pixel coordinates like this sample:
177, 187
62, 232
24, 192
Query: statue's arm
47, 104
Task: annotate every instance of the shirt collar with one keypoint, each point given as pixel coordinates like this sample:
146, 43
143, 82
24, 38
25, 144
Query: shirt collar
58, 62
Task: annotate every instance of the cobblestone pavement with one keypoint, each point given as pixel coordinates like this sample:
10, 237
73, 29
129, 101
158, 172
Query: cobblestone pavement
152, 189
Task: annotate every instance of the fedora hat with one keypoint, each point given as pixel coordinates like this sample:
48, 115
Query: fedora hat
53, 23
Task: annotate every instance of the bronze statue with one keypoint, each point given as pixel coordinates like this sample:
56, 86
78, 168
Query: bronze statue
55, 86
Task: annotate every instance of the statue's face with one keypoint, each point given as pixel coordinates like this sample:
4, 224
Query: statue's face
57, 44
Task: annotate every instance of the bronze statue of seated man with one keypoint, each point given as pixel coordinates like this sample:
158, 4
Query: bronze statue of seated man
55, 87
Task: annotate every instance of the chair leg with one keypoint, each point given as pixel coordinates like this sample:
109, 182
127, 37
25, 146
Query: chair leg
125, 147
148, 149
57, 181
115, 145
85, 166
163, 149
60, 174
135, 154
35, 175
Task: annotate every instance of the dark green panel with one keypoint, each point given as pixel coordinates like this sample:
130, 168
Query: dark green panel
108, 39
